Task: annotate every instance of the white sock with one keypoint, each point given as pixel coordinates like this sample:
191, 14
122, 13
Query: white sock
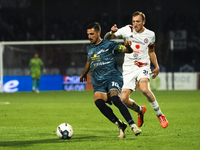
140, 109
156, 107
133, 126
118, 123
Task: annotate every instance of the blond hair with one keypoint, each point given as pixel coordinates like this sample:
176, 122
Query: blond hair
139, 13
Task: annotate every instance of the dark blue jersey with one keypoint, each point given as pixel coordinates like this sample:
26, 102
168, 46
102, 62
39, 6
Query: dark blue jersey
103, 65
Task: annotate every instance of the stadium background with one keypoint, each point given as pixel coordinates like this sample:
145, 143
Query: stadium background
41, 20
29, 121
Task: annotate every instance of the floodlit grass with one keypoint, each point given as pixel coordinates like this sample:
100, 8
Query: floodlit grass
29, 121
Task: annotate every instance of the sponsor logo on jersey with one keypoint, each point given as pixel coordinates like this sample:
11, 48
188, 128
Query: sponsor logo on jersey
102, 51
138, 42
137, 46
140, 64
136, 49
95, 58
101, 63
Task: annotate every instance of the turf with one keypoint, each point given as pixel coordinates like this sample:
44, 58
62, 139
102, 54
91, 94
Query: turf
29, 121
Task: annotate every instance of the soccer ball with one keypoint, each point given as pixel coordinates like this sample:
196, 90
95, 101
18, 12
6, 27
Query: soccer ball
64, 131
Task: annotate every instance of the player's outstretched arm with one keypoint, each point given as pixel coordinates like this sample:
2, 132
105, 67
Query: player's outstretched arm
83, 76
111, 34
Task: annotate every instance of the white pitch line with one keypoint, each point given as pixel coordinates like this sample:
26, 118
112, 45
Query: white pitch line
4, 103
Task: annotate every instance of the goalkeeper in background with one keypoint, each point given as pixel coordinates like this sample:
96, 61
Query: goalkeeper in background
36, 65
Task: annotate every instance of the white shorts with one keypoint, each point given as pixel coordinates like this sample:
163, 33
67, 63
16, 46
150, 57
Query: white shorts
132, 74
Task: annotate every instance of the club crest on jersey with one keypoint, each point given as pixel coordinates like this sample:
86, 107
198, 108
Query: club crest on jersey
146, 40
96, 58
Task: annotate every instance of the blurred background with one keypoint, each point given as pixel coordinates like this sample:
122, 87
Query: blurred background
44, 20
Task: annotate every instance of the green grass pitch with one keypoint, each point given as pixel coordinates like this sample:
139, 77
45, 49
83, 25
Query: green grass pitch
29, 121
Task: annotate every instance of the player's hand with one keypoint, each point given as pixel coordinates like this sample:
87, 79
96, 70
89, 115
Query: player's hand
114, 28
127, 43
155, 72
83, 78
127, 48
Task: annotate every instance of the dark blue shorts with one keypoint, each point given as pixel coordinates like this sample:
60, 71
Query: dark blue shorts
105, 86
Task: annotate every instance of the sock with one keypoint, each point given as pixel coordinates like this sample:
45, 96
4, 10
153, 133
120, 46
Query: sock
106, 110
33, 83
133, 126
119, 123
37, 84
156, 107
123, 109
135, 107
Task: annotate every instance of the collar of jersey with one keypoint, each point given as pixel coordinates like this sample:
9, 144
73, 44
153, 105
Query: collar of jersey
134, 32
98, 43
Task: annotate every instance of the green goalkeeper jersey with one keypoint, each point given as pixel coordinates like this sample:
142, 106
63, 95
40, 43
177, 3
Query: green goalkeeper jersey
36, 65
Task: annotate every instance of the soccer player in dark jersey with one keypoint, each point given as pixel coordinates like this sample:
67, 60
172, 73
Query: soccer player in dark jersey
106, 78
35, 67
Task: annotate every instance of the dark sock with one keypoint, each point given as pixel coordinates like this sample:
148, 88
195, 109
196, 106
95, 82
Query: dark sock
106, 110
37, 83
135, 107
123, 109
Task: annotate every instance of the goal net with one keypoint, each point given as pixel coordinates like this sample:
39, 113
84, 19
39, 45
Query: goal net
64, 59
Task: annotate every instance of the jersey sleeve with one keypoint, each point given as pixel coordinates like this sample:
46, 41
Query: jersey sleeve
117, 48
152, 40
121, 32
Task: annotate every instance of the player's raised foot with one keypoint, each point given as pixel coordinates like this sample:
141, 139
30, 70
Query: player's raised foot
163, 121
122, 127
140, 120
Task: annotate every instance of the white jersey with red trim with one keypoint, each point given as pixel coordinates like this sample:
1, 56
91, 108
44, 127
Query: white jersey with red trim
140, 45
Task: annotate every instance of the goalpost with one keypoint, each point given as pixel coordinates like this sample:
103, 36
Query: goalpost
26, 47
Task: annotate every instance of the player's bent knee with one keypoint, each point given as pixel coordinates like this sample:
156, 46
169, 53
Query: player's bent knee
124, 98
113, 93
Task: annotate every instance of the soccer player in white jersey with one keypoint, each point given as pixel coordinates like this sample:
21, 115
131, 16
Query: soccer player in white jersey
136, 66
